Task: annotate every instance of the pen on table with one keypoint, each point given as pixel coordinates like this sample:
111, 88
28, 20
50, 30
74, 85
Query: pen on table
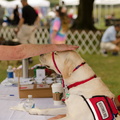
11, 95
7, 95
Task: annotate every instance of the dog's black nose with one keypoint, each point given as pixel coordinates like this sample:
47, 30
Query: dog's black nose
41, 55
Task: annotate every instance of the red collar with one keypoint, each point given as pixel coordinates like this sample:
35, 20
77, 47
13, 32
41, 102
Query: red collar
53, 58
79, 66
81, 82
77, 83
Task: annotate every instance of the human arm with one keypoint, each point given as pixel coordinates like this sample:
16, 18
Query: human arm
19, 25
29, 50
55, 28
37, 21
22, 19
117, 41
53, 35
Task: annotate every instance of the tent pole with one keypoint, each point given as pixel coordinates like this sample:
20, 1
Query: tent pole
99, 14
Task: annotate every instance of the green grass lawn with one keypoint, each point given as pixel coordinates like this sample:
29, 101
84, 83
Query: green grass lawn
108, 68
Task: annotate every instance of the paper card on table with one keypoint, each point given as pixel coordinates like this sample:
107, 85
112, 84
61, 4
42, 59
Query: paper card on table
43, 86
23, 87
40, 73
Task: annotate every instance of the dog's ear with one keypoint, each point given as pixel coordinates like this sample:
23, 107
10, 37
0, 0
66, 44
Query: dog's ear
68, 68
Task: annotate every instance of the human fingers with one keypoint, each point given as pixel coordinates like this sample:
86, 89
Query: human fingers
16, 30
64, 47
72, 47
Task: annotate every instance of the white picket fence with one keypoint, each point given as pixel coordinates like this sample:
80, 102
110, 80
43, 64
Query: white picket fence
88, 41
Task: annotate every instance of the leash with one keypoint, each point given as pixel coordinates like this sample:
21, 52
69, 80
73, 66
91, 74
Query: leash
53, 58
81, 82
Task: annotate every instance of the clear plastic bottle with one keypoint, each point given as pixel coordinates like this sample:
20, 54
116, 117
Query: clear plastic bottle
10, 72
29, 103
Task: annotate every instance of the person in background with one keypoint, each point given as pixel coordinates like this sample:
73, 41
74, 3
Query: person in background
16, 16
24, 51
27, 25
59, 27
1, 14
109, 41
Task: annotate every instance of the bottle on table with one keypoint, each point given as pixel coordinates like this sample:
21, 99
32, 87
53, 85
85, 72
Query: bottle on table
29, 103
10, 72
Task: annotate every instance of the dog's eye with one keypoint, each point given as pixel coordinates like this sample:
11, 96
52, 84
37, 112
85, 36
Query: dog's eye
55, 53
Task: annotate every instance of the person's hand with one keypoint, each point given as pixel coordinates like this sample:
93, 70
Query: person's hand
57, 117
64, 47
16, 30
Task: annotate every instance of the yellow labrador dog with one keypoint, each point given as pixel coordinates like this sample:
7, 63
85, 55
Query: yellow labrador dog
89, 99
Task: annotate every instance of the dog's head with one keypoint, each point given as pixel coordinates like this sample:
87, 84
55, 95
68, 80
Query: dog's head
61, 62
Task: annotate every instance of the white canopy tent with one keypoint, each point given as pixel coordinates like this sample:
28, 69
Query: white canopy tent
70, 2
42, 3
10, 4
34, 3
107, 2
97, 2
108, 7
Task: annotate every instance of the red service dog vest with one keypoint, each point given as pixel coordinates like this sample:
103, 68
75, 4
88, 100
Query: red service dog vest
102, 107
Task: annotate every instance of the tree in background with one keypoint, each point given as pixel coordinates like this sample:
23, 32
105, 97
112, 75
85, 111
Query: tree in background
85, 16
